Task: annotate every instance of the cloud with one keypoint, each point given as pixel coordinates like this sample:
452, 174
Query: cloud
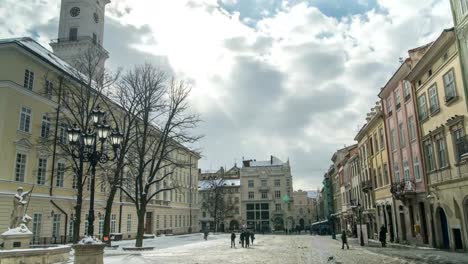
293, 79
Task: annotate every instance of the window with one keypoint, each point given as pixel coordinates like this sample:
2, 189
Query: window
449, 86
251, 183
36, 226
94, 38
277, 194
170, 221
101, 225
20, 167
129, 223
73, 34
25, 120
251, 195
463, 7
74, 181
402, 134
457, 134
49, 87
278, 207
382, 141
412, 128
28, 79
45, 126
60, 174
165, 220
41, 171
433, 100
397, 172
429, 156
397, 99
264, 182
264, 195
422, 107
157, 222
86, 225
417, 173
175, 220
287, 182
112, 223
441, 151
389, 106
63, 135
71, 228
406, 170
407, 90
392, 139
56, 226
385, 168
277, 182
429, 73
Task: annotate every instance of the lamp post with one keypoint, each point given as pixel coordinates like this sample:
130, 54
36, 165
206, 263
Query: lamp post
85, 147
360, 223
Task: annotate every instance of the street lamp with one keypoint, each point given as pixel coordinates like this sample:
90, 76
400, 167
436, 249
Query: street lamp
85, 147
360, 223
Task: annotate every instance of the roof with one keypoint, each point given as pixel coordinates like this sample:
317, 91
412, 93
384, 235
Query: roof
274, 161
205, 184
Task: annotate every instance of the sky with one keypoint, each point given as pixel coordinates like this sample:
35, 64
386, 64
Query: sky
294, 79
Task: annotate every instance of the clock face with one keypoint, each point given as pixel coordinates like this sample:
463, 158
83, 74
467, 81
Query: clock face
75, 11
96, 18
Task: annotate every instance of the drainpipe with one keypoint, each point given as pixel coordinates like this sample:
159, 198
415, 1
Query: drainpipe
66, 218
54, 152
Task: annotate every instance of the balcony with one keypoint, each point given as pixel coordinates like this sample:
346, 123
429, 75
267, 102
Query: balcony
73, 40
462, 148
403, 190
366, 186
263, 188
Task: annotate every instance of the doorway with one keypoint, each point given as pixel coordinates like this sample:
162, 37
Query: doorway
444, 229
390, 223
149, 223
403, 226
422, 212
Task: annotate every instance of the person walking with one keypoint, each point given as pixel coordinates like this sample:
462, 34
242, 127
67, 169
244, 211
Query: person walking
252, 237
233, 239
205, 235
242, 237
247, 239
344, 240
383, 235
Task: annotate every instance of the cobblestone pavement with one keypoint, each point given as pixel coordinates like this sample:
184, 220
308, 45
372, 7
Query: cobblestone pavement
275, 249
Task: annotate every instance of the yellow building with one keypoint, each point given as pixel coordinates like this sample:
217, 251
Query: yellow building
375, 180
442, 112
27, 113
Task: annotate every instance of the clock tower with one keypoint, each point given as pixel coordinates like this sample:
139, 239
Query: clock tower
81, 27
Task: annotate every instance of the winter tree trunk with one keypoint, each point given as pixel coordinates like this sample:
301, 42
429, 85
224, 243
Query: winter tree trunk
141, 226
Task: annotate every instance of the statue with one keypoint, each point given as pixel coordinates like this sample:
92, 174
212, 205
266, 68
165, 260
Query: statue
18, 215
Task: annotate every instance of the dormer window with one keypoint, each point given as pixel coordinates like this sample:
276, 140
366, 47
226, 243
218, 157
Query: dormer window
429, 73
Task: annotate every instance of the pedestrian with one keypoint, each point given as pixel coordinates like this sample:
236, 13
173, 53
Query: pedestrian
344, 240
252, 237
233, 239
205, 235
247, 239
383, 235
242, 237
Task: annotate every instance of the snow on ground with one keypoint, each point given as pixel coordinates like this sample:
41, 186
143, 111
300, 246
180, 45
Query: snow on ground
266, 249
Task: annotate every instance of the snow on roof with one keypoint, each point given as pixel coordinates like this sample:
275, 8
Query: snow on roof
204, 185
46, 54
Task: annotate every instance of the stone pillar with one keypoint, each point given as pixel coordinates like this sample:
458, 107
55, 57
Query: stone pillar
89, 253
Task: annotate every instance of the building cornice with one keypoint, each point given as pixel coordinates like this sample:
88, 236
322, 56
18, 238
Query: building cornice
19, 88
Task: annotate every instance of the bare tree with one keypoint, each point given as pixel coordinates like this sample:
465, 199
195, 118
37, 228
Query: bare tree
162, 128
216, 200
78, 91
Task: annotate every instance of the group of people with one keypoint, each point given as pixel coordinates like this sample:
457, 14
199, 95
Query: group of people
245, 238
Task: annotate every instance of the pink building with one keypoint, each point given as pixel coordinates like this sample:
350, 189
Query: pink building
406, 165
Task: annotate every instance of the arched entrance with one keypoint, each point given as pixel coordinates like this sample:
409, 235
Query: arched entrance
278, 224
234, 225
301, 223
443, 228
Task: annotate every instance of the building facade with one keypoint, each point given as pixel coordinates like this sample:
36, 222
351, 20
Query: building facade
442, 113
266, 195
460, 20
28, 107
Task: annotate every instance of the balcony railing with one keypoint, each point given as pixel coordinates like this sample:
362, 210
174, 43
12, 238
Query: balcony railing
366, 186
263, 188
72, 40
403, 189
462, 148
